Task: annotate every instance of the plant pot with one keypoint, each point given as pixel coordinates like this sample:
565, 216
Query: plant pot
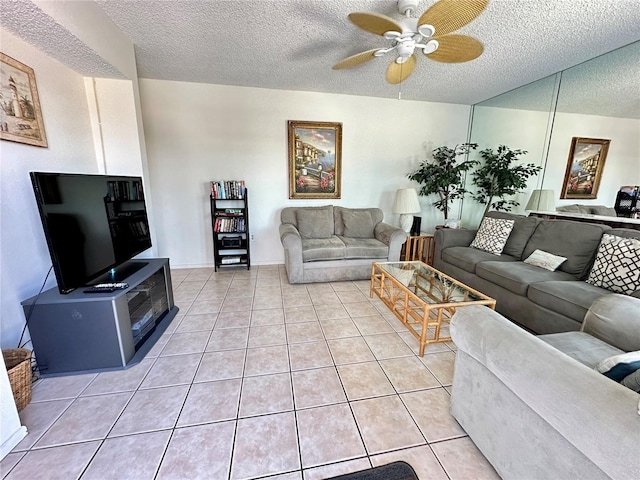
18, 363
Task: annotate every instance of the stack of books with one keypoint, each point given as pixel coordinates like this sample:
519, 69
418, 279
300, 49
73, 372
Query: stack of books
227, 189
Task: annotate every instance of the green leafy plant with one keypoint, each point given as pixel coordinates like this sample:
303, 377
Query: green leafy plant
498, 178
444, 175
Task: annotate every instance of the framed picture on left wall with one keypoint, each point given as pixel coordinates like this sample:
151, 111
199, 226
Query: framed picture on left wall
315, 159
20, 113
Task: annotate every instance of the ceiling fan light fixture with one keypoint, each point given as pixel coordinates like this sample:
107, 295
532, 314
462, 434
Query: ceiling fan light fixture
430, 47
426, 30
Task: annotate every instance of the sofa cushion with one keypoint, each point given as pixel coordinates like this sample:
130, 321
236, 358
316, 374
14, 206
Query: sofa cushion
603, 210
516, 276
632, 382
357, 223
581, 346
577, 241
314, 222
492, 235
617, 264
523, 228
376, 217
364, 248
625, 233
573, 208
545, 260
331, 248
571, 299
467, 258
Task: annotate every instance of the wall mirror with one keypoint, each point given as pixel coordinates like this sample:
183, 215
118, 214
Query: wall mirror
597, 99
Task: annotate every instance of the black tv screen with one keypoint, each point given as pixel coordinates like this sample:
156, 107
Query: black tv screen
92, 223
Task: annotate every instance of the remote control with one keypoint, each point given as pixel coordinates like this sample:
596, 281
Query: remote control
117, 285
106, 287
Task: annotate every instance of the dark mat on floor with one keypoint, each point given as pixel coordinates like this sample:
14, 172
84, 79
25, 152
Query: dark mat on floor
391, 471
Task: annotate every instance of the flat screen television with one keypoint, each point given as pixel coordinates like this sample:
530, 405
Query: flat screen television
93, 225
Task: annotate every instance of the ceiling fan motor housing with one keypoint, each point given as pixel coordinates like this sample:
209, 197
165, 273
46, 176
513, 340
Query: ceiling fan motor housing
405, 6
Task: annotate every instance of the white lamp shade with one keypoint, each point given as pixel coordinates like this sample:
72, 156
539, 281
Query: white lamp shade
406, 201
542, 200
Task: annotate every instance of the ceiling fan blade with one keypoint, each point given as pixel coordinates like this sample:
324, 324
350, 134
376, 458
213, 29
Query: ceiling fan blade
450, 15
356, 59
456, 48
398, 72
375, 22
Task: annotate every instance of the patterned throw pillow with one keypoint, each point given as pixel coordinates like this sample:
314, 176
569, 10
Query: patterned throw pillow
492, 235
617, 265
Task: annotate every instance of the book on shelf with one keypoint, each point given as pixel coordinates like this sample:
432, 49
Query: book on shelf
227, 189
229, 224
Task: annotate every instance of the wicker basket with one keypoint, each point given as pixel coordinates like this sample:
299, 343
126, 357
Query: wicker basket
18, 363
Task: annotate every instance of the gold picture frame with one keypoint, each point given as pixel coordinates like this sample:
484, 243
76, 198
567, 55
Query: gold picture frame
584, 168
20, 113
315, 159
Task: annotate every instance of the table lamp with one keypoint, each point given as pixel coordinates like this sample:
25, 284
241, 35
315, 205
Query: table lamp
406, 204
542, 200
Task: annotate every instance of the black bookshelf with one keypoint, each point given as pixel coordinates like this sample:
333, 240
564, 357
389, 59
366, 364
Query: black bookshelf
230, 225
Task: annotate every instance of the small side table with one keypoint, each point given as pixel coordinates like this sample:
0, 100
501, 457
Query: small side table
420, 248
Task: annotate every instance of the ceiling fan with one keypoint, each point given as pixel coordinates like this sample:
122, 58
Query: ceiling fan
431, 34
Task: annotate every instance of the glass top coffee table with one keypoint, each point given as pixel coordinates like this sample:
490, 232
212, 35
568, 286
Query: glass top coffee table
422, 297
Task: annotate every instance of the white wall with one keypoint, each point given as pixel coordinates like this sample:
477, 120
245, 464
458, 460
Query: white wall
199, 132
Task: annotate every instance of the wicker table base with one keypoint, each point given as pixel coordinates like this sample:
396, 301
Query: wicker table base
423, 298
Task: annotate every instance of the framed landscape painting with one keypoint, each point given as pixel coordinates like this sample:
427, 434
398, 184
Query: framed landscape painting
315, 163
584, 168
20, 114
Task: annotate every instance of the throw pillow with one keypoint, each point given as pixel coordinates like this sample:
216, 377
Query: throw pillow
545, 260
616, 266
492, 235
314, 223
620, 366
357, 224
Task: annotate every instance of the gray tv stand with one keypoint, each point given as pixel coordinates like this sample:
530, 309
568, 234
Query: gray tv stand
88, 332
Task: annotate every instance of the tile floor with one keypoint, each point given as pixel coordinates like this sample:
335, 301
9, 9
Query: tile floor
255, 378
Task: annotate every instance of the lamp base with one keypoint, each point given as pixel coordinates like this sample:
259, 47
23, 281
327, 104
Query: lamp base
406, 220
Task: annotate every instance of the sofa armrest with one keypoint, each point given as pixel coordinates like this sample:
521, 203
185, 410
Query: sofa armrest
450, 237
615, 319
393, 237
292, 243
596, 415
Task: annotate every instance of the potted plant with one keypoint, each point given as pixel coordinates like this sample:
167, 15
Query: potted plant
498, 178
444, 175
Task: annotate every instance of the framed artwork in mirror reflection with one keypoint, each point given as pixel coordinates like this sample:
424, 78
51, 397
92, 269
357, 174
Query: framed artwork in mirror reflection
584, 168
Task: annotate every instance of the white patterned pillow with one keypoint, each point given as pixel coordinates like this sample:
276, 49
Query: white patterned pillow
617, 265
492, 235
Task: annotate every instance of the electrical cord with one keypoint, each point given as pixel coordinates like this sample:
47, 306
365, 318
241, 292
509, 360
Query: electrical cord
28, 316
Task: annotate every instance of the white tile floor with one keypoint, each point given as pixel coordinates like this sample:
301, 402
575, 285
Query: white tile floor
255, 378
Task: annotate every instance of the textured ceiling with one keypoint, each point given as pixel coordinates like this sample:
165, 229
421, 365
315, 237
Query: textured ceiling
292, 44
608, 85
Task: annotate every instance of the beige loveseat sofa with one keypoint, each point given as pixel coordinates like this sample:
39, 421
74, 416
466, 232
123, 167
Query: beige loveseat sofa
324, 244
536, 407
